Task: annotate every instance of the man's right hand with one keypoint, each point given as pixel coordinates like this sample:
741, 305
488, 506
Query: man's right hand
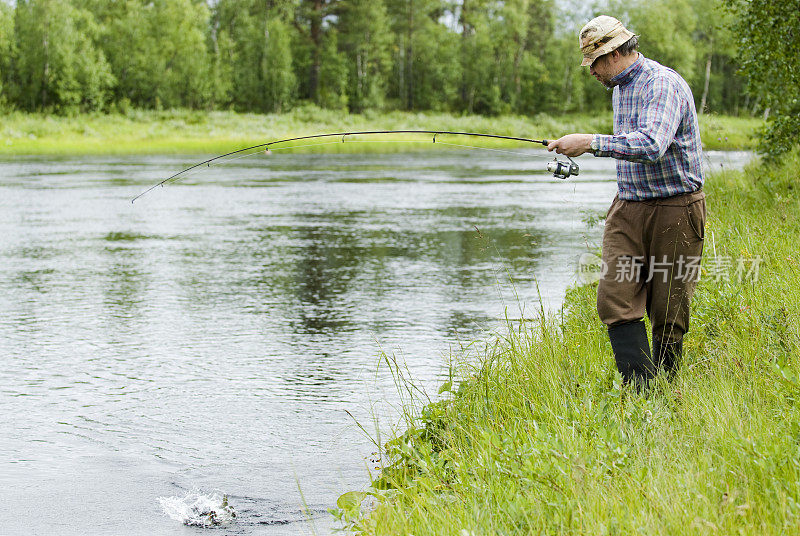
572, 144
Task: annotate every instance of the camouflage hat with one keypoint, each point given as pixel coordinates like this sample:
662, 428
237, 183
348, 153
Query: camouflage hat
600, 36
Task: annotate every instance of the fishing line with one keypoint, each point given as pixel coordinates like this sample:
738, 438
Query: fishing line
348, 142
560, 169
303, 145
221, 163
272, 149
482, 148
264, 152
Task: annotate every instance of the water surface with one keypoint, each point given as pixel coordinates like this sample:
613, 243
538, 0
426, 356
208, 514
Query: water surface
211, 336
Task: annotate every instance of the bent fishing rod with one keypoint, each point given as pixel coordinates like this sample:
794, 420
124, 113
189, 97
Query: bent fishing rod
558, 168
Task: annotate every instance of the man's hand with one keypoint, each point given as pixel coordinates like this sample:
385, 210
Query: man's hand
572, 144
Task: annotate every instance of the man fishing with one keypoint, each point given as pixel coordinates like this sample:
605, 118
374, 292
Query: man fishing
653, 236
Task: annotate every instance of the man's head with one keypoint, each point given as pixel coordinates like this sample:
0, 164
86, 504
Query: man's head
607, 47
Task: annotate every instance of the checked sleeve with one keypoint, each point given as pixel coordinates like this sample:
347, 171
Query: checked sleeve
659, 116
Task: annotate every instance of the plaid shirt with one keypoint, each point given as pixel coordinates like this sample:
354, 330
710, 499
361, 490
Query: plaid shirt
656, 138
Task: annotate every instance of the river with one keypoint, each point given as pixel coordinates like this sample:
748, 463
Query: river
209, 338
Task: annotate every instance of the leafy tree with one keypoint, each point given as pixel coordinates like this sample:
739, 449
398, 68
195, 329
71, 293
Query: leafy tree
332, 77
220, 46
667, 29
560, 84
363, 36
7, 41
552, 80
769, 32
492, 47
276, 66
421, 51
511, 48
435, 71
313, 23
510, 45
57, 63
255, 45
469, 21
714, 43
157, 50
536, 67
475, 56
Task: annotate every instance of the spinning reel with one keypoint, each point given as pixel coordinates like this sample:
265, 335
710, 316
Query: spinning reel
561, 169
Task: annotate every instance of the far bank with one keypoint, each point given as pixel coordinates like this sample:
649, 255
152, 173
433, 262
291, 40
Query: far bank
200, 132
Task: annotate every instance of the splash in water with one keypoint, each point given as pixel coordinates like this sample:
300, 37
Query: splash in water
199, 510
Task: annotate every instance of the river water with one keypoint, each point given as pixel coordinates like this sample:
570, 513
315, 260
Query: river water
212, 337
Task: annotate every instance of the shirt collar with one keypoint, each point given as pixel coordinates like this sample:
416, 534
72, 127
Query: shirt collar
627, 75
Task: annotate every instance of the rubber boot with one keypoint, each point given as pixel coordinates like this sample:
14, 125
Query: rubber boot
668, 356
632, 353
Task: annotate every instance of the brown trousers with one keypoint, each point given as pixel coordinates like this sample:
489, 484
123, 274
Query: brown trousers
651, 262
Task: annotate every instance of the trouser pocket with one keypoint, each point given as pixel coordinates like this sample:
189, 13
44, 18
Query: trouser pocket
696, 216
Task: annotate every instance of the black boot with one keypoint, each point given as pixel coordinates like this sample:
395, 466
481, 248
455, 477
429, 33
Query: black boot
668, 355
632, 352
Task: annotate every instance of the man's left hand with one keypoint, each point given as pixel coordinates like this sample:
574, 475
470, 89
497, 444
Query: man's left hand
572, 144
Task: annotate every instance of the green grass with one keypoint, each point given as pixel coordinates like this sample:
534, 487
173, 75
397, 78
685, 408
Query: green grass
540, 438
185, 131
720, 132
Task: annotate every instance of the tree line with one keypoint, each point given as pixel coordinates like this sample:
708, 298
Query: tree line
461, 56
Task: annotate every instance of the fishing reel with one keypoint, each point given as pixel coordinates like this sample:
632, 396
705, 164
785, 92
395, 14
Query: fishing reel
561, 169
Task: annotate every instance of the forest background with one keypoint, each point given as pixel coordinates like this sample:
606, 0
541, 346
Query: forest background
485, 57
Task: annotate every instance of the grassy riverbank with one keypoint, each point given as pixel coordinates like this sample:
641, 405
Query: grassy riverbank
539, 438
185, 131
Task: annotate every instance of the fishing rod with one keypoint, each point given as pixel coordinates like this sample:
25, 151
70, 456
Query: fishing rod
558, 168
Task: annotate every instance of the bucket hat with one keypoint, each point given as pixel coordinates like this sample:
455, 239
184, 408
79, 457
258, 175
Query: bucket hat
601, 35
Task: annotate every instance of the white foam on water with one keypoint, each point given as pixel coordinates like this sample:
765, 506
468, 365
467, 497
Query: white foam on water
198, 509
